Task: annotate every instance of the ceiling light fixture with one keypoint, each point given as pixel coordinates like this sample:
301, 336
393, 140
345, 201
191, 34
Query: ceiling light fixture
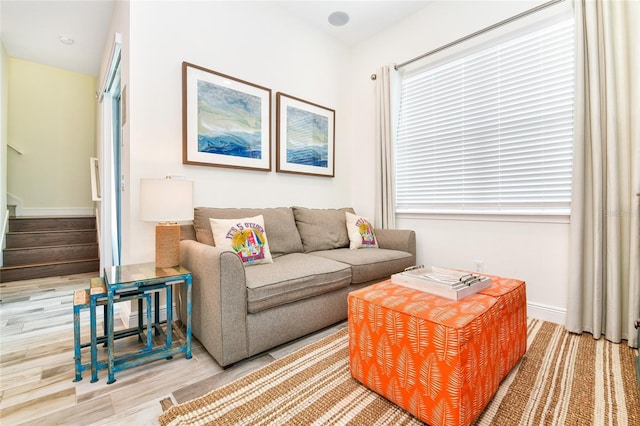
66, 40
338, 19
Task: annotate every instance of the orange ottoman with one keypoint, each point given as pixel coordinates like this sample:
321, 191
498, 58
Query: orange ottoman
436, 358
512, 331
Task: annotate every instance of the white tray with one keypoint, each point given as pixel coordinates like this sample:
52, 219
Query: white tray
440, 281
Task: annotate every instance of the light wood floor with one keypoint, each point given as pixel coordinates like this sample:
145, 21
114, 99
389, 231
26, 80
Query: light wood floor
37, 371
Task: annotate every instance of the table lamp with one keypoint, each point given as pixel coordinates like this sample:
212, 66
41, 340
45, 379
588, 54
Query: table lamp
166, 201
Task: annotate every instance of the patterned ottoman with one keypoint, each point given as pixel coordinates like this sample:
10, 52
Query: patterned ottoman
439, 359
512, 330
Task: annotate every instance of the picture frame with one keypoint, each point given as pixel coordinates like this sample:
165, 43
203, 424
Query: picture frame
226, 122
305, 137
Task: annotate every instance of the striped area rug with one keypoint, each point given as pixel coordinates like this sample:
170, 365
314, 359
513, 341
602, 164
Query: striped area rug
564, 379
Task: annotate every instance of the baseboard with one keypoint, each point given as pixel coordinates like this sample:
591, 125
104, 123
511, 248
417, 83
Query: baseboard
552, 314
56, 211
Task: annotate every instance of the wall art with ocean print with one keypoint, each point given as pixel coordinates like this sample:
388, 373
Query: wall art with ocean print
226, 122
305, 137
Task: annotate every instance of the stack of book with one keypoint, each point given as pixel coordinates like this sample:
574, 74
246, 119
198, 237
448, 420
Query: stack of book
442, 282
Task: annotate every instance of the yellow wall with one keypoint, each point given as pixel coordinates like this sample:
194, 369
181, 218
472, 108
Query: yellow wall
51, 119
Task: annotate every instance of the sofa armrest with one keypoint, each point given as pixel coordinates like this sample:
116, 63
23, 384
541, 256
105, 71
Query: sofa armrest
397, 239
219, 300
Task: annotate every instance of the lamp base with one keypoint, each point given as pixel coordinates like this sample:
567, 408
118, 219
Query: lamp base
167, 245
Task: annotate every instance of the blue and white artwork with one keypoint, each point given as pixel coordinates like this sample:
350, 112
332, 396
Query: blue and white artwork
229, 121
307, 138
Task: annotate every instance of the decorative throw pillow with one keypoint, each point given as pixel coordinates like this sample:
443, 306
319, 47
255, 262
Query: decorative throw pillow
360, 231
246, 237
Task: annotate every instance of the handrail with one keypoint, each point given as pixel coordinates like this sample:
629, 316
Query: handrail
15, 149
95, 179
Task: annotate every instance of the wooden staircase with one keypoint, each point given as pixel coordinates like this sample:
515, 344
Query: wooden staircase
40, 247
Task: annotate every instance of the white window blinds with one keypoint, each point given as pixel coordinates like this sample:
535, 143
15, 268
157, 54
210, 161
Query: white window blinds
491, 131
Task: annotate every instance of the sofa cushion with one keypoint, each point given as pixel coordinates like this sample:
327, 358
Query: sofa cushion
360, 230
322, 229
246, 237
369, 264
279, 225
293, 277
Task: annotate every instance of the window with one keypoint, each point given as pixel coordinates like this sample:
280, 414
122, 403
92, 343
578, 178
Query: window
491, 132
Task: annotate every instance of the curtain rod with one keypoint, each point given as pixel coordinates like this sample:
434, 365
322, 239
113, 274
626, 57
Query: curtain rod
484, 30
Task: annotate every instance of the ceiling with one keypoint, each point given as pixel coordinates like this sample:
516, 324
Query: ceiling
30, 29
366, 17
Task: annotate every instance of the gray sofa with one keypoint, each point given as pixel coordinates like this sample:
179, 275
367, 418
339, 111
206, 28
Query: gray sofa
240, 311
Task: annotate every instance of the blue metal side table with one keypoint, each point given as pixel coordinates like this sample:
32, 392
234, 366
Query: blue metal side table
145, 277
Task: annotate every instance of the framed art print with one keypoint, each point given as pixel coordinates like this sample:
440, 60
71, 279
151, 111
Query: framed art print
226, 122
305, 137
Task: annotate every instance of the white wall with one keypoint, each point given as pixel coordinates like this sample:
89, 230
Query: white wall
253, 41
534, 251
259, 43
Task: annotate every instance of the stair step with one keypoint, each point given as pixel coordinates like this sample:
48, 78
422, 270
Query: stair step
50, 238
51, 269
40, 247
34, 255
50, 223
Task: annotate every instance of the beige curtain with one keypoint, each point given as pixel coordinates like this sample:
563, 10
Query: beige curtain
604, 287
387, 88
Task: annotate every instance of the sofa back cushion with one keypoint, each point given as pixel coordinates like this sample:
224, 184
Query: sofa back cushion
322, 229
279, 225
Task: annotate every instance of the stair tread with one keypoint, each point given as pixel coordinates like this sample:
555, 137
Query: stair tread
79, 216
50, 270
52, 231
51, 223
28, 255
49, 247
61, 262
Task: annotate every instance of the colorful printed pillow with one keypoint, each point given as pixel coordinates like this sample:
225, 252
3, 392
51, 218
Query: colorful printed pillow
246, 237
360, 231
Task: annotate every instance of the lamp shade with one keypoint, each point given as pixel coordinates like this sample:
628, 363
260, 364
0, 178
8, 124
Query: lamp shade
166, 200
